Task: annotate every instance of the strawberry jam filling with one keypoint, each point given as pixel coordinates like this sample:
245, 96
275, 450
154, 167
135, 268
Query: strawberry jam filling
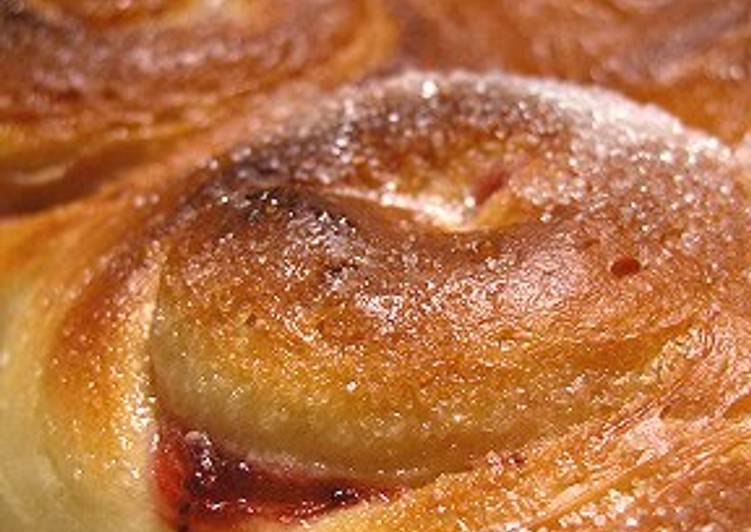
203, 486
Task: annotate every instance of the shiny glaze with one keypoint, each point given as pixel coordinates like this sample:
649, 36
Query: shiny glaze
522, 301
105, 87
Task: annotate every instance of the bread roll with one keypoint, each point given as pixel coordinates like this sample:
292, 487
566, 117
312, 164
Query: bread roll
323, 265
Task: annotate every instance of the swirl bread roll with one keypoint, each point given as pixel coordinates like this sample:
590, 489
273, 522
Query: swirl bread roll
427, 302
92, 88
688, 56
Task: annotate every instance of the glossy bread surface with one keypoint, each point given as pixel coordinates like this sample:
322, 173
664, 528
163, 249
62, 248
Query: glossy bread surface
92, 88
424, 300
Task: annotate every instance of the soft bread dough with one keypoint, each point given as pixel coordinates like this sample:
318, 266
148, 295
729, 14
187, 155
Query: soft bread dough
512, 303
537, 290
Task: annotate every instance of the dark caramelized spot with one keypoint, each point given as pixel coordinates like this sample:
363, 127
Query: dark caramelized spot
337, 272
518, 458
201, 483
625, 266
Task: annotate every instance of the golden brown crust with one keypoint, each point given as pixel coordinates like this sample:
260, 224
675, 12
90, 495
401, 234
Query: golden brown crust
499, 302
359, 278
688, 56
440, 283
102, 87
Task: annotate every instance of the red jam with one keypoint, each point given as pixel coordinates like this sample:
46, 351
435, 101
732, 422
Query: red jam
488, 185
201, 485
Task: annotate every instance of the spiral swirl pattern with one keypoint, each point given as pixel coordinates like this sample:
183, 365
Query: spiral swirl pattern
102, 86
275, 264
91, 89
483, 300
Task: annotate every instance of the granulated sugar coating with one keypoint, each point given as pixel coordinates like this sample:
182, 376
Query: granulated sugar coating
433, 270
425, 302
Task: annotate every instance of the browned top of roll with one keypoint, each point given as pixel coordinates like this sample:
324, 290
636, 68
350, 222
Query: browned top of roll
90, 89
505, 298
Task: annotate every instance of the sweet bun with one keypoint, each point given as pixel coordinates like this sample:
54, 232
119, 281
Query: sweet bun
420, 301
90, 89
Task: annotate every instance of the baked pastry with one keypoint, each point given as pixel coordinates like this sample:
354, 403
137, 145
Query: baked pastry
101, 87
688, 56
425, 301
481, 299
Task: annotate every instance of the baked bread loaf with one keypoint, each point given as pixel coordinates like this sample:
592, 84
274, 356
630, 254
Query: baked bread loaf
424, 300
